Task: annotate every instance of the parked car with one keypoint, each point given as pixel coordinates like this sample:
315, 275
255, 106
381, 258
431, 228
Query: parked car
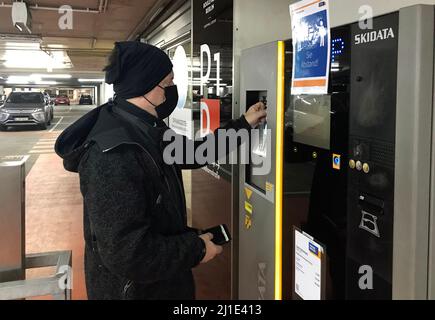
26, 109
86, 99
63, 100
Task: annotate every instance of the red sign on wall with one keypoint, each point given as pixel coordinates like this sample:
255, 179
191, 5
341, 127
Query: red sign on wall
210, 116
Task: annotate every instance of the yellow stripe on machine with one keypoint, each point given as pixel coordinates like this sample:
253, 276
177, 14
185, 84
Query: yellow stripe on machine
280, 108
248, 207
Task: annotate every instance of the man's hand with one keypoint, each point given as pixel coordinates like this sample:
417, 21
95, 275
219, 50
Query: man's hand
256, 114
212, 250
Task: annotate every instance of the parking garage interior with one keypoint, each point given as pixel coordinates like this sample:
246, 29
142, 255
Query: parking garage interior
58, 53
68, 63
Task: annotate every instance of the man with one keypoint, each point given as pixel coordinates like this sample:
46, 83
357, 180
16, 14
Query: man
138, 245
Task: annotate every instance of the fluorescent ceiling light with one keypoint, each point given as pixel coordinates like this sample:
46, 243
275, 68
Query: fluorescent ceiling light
46, 82
18, 80
24, 45
56, 46
91, 80
52, 76
31, 78
35, 59
34, 79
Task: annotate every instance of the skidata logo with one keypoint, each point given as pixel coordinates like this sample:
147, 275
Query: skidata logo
374, 36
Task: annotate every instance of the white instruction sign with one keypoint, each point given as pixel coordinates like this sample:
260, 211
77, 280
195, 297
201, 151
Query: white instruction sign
311, 46
308, 267
181, 121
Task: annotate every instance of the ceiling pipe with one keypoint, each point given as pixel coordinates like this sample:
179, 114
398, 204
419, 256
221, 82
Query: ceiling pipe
150, 16
103, 5
18, 37
47, 8
164, 17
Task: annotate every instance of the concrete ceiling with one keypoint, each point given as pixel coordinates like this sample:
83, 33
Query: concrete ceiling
93, 34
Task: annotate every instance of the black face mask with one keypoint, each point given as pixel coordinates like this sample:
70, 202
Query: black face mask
166, 108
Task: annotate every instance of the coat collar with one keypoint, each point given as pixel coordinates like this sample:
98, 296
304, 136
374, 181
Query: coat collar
124, 123
109, 126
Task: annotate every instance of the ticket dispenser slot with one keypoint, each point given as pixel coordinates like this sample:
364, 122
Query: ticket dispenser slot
371, 204
258, 143
371, 209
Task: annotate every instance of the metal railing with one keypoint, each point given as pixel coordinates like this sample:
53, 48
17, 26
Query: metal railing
59, 285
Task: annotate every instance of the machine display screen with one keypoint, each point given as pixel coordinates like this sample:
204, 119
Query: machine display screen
312, 120
312, 113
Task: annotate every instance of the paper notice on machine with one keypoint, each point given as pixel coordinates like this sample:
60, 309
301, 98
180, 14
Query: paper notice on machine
311, 46
307, 267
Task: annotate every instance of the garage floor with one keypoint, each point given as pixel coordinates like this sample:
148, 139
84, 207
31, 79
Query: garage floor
54, 216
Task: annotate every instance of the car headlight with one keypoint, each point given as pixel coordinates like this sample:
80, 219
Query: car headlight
3, 116
39, 116
38, 110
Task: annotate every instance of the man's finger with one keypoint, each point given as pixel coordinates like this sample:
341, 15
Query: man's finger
219, 249
209, 236
262, 114
260, 106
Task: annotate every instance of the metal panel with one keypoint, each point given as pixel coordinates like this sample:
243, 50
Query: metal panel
431, 280
257, 244
249, 18
175, 26
413, 151
372, 129
12, 218
57, 285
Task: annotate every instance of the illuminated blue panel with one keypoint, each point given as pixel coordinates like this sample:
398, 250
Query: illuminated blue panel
337, 48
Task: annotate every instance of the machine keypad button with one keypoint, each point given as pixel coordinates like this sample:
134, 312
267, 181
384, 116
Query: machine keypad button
366, 168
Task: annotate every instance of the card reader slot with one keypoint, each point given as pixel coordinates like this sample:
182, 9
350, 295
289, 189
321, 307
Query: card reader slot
371, 204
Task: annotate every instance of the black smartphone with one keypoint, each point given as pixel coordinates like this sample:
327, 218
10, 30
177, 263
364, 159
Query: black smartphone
220, 233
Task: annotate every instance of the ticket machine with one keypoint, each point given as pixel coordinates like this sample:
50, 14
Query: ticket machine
340, 164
